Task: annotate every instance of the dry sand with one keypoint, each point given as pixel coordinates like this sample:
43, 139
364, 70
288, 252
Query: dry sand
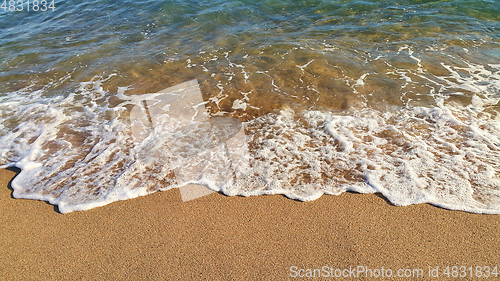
235, 238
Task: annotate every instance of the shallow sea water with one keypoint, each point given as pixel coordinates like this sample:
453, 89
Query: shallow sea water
109, 100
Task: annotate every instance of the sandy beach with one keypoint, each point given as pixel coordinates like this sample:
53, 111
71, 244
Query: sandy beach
102, 101
235, 238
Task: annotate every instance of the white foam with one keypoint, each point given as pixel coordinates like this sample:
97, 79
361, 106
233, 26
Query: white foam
360, 81
79, 153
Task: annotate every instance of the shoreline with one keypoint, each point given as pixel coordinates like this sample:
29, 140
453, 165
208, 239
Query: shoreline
218, 237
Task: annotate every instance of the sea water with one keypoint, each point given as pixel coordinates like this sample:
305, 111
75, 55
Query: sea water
109, 100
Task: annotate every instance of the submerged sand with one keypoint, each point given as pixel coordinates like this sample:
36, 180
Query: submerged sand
235, 238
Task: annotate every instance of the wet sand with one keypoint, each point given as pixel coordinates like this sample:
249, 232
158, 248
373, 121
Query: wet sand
235, 238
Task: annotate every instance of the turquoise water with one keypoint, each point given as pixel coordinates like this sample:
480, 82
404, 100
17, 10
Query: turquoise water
397, 97
92, 38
